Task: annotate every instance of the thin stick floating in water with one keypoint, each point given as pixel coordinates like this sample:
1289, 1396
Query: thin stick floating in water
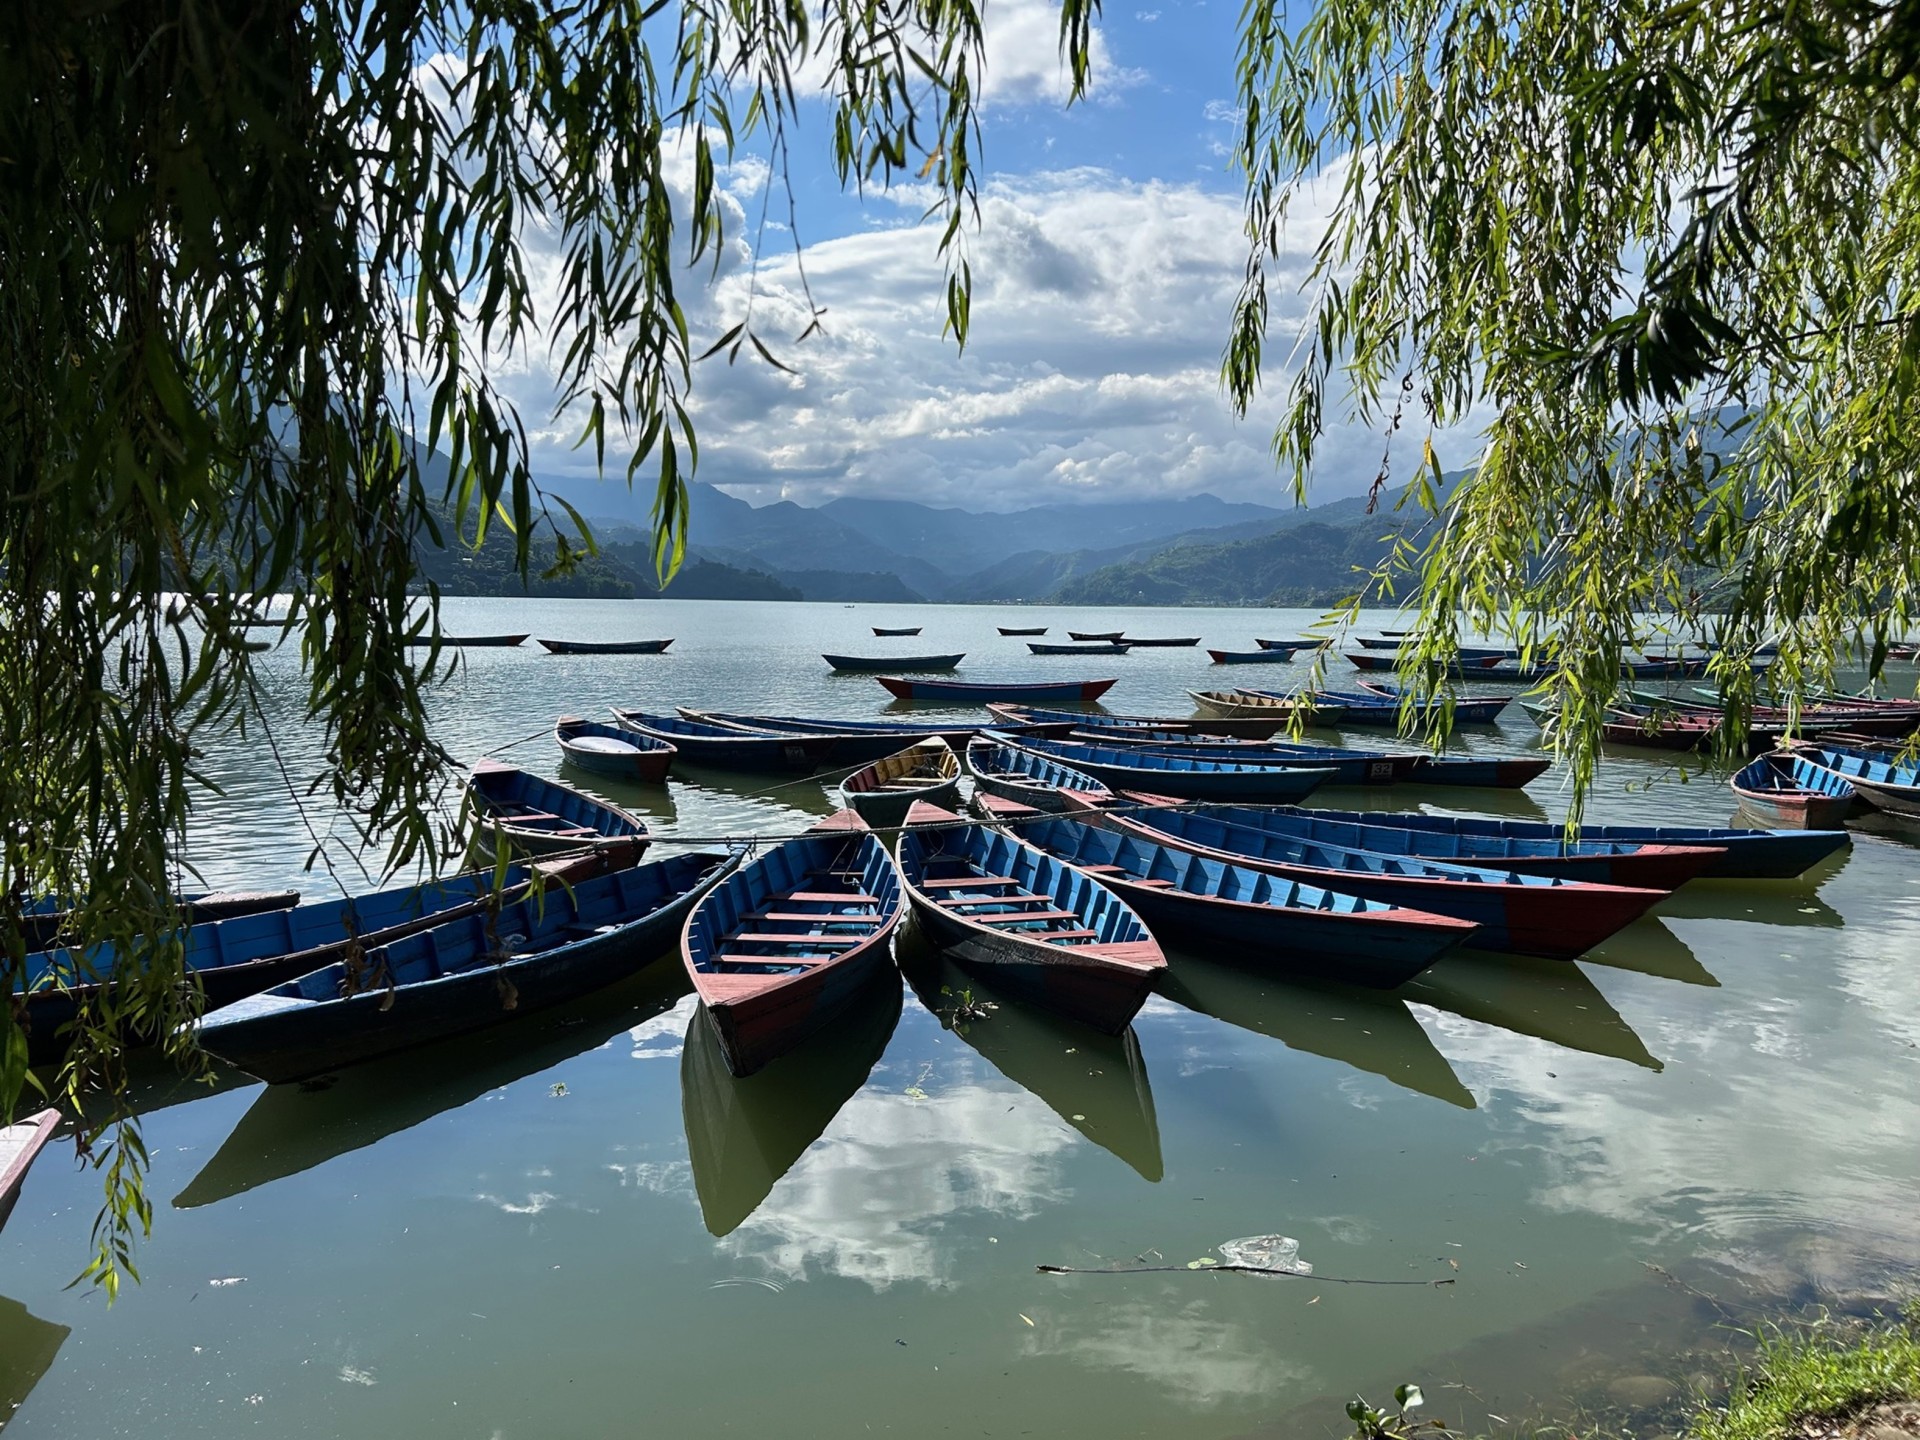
1240, 1269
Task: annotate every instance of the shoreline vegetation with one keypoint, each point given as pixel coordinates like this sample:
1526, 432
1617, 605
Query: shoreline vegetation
1834, 1378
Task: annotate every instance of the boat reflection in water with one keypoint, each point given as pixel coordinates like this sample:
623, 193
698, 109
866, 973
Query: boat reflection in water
292, 1128
1547, 999
28, 1345
1366, 1029
1096, 1083
1759, 902
1647, 947
743, 1134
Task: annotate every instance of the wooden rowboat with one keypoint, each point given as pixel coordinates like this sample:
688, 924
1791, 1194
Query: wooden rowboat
1182, 777
1518, 913
1247, 727
1746, 854
1191, 899
472, 642
902, 630
466, 973
232, 959
1095, 634
1037, 927
882, 792
789, 941
1006, 770
1467, 709
869, 664
1108, 648
604, 647
1885, 782
1022, 629
1179, 643
722, 748
981, 692
1274, 655
903, 732
45, 919
1652, 867
1292, 644
609, 750
1244, 704
20, 1146
543, 817
1788, 791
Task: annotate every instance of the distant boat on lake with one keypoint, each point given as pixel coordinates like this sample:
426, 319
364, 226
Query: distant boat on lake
605, 647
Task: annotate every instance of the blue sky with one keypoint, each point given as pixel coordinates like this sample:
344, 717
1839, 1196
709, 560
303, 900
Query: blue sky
1106, 263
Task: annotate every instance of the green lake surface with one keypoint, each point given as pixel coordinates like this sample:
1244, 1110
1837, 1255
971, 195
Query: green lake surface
578, 1225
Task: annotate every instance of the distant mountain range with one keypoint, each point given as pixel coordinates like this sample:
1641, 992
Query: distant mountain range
1197, 550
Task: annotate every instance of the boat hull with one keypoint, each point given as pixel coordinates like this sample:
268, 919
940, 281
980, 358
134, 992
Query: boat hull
1556, 921
980, 692
639, 759
280, 1040
20, 1146
1103, 994
879, 664
611, 647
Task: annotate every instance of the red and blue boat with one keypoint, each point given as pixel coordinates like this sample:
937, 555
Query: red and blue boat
788, 942
1189, 898
1011, 773
982, 692
1785, 789
1035, 927
608, 750
722, 748
1517, 913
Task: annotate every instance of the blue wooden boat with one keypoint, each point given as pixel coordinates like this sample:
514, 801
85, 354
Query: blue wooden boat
1001, 768
1788, 791
1465, 667
1467, 709
471, 642
1517, 913
1749, 854
1292, 644
875, 664
1604, 862
1272, 655
1193, 899
465, 973
1016, 717
1885, 782
900, 630
981, 692
1033, 926
901, 731
723, 748
231, 959
1351, 767
1022, 629
1123, 767
1095, 634
609, 750
1178, 642
604, 647
790, 940
43, 919
536, 816
882, 793
1111, 647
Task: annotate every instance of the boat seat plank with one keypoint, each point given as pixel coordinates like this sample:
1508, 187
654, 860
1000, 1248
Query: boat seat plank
952, 903
810, 917
1025, 916
757, 937
1152, 884
820, 897
735, 957
971, 880
1103, 869
1071, 935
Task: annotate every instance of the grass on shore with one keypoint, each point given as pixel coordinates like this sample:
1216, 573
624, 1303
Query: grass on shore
1811, 1374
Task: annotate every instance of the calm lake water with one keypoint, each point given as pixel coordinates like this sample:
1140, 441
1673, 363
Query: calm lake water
579, 1226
